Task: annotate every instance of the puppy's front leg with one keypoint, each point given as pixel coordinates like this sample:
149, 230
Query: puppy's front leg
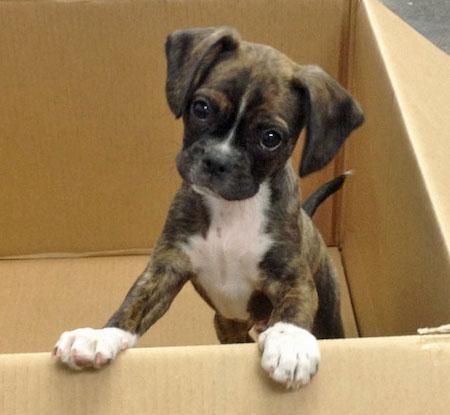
231, 331
145, 303
290, 353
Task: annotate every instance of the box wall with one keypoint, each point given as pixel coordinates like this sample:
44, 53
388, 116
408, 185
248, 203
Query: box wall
359, 376
86, 136
395, 257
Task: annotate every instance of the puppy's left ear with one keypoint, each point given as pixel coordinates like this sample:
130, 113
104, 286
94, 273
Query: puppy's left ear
331, 115
190, 55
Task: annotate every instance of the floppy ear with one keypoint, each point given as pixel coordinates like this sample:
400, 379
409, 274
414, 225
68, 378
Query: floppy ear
190, 54
332, 114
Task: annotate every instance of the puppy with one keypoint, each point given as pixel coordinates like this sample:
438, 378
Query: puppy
236, 229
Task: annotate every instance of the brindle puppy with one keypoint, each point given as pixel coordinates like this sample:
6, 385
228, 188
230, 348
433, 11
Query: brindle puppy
236, 228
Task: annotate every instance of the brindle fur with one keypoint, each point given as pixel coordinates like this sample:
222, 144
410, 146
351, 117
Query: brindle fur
296, 281
232, 331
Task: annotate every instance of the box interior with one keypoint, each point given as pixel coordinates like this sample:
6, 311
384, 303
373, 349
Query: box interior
88, 147
90, 104
85, 291
88, 141
86, 164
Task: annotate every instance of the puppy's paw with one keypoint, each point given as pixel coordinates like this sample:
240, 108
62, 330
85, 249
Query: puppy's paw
290, 354
88, 347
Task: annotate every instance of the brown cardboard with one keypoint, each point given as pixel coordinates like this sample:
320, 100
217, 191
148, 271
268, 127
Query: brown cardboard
84, 292
45, 297
391, 376
87, 138
84, 173
395, 221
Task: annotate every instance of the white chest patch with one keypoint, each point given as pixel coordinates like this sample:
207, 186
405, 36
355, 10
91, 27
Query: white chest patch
226, 260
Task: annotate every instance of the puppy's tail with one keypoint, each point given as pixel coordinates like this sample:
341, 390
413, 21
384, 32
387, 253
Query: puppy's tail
323, 192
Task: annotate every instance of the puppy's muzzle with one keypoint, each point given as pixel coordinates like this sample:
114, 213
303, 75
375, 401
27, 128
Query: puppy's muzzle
224, 171
216, 165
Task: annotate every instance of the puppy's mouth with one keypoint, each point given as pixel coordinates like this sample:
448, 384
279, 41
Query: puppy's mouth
228, 188
204, 191
222, 189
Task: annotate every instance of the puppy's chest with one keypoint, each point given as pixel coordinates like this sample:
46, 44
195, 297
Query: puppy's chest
226, 260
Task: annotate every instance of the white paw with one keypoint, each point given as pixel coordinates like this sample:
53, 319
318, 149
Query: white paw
92, 347
291, 354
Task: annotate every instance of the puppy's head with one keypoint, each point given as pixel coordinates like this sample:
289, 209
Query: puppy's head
243, 107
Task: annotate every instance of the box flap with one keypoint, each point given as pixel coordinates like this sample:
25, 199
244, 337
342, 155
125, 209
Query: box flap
387, 376
395, 250
420, 78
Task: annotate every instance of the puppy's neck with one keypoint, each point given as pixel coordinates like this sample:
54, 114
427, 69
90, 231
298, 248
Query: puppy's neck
280, 189
239, 210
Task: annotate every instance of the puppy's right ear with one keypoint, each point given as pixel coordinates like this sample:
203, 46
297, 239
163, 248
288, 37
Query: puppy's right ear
332, 115
190, 55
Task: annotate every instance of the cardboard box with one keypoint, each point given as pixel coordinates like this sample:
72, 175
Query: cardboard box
86, 184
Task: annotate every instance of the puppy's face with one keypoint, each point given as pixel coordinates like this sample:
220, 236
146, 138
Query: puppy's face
243, 107
241, 124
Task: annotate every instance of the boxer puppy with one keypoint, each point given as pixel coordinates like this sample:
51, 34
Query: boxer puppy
236, 229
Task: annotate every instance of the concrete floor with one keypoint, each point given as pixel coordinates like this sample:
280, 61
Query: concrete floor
429, 17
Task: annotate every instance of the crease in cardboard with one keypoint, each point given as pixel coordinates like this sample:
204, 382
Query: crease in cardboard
345, 65
349, 292
74, 255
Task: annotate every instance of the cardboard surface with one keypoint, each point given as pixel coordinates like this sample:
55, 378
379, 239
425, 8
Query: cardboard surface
42, 298
394, 241
391, 376
424, 107
48, 296
87, 138
86, 152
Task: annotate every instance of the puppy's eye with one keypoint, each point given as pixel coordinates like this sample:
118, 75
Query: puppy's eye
270, 140
201, 109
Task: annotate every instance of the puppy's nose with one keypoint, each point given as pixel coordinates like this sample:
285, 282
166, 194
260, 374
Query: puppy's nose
214, 165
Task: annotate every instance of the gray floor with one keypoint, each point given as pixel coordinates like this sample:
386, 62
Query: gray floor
429, 17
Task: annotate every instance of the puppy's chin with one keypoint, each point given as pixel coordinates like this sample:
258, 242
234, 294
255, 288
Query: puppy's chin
229, 196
